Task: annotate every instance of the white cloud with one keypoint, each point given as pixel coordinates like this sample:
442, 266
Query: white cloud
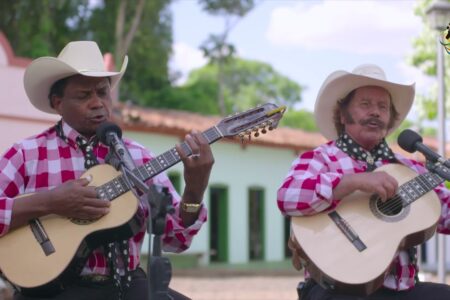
412, 74
360, 27
186, 58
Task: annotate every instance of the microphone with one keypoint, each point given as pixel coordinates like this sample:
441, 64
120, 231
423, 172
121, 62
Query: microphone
411, 141
111, 135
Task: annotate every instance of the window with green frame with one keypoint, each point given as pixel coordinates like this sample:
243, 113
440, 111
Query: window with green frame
175, 178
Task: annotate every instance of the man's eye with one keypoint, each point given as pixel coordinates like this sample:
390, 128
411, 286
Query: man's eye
82, 96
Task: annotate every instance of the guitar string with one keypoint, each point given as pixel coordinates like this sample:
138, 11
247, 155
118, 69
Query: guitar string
395, 203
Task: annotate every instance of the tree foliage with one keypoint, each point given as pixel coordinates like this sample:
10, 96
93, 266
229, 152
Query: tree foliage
216, 47
41, 28
424, 57
143, 29
303, 119
247, 83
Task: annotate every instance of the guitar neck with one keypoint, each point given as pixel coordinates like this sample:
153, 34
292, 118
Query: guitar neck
172, 157
415, 188
119, 185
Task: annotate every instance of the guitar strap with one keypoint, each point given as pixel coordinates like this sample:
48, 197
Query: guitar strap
381, 152
114, 249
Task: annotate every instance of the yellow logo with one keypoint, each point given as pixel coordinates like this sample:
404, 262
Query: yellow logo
445, 39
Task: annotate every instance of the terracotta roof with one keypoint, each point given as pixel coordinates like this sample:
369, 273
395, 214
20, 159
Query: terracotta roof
181, 122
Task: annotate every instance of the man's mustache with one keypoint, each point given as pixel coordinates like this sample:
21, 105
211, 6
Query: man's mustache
377, 121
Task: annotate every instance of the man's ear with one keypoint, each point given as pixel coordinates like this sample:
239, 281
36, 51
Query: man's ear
55, 103
341, 118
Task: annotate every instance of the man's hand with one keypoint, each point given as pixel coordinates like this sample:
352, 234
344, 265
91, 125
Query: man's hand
379, 183
75, 199
197, 169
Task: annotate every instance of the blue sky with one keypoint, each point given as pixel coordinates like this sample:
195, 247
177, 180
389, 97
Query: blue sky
307, 40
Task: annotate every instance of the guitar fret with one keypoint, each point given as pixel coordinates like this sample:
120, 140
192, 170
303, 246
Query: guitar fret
186, 149
410, 190
423, 179
156, 166
143, 170
417, 187
118, 186
149, 168
162, 161
101, 193
137, 173
174, 157
405, 196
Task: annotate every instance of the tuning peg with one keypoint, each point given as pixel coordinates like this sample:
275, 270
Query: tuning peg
256, 134
270, 127
264, 131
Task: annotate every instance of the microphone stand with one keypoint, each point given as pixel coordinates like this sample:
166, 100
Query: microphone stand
438, 168
159, 268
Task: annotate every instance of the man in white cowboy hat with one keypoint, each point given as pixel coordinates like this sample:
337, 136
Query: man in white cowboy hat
47, 167
356, 111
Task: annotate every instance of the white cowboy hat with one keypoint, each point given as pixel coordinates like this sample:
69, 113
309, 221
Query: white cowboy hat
81, 57
340, 83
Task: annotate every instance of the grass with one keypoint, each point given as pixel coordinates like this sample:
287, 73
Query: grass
187, 265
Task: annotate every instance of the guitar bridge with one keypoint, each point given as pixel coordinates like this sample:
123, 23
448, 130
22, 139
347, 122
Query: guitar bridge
42, 237
347, 230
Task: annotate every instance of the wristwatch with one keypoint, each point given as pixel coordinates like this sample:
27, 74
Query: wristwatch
191, 207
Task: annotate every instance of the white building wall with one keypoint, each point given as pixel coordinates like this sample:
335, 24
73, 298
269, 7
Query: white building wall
239, 168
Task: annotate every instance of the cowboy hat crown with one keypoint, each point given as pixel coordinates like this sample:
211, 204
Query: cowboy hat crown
77, 58
340, 83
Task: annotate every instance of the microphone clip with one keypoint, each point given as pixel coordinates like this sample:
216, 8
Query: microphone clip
439, 168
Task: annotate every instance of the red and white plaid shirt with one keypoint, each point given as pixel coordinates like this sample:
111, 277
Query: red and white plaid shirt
45, 161
308, 189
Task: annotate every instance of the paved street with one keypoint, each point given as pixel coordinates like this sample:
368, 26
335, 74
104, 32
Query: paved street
237, 288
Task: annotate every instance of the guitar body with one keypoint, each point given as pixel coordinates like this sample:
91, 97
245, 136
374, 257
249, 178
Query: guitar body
71, 240
335, 262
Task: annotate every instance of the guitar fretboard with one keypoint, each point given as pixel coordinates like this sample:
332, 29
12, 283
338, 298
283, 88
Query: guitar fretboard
118, 186
415, 188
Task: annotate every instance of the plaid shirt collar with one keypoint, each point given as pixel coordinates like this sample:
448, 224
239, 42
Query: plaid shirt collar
69, 135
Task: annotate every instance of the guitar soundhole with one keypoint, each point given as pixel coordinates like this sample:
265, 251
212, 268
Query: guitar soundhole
81, 221
391, 207
391, 210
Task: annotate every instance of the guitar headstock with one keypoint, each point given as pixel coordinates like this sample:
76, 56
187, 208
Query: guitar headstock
252, 122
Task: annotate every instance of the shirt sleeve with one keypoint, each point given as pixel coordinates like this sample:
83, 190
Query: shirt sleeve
11, 184
308, 187
176, 237
441, 190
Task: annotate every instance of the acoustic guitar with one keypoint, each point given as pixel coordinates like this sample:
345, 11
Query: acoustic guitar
33, 256
351, 248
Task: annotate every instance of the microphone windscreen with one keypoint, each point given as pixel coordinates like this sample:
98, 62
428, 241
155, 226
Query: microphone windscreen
103, 130
408, 140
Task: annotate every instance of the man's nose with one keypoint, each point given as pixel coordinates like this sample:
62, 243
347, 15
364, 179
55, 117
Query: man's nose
95, 101
374, 111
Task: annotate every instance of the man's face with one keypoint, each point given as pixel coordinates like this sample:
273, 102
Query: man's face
86, 103
367, 117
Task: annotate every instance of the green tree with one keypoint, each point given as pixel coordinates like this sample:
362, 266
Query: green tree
247, 83
143, 30
302, 119
424, 57
216, 47
40, 28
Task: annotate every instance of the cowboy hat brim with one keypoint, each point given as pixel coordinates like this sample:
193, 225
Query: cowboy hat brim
43, 72
340, 83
